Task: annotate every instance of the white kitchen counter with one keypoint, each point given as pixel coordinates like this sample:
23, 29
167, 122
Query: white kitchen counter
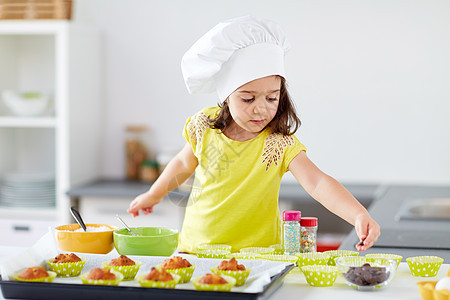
402, 286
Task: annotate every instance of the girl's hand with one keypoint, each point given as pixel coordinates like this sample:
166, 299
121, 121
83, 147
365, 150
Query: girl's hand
144, 202
367, 230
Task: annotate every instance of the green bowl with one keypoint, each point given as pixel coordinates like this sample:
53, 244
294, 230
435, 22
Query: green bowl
424, 266
320, 275
151, 241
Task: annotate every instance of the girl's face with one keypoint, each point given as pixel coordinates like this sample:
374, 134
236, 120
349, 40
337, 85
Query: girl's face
253, 106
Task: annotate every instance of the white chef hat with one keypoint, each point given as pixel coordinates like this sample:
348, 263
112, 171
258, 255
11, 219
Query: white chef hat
233, 53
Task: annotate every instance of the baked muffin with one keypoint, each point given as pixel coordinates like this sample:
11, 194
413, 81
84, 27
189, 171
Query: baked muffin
66, 258
124, 265
234, 269
175, 262
33, 273
101, 274
178, 265
231, 265
156, 275
214, 282
121, 261
212, 279
36, 274
66, 265
101, 277
158, 279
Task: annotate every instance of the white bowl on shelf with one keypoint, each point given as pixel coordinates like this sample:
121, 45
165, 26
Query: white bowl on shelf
27, 104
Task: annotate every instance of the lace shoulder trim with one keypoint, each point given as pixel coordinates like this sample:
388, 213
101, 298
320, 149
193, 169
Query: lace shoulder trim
275, 145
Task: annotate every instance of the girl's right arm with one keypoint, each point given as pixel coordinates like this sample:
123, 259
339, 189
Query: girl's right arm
180, 168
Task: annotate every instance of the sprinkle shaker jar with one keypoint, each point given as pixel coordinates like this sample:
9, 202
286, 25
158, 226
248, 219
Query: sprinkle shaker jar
308, 234
291, 231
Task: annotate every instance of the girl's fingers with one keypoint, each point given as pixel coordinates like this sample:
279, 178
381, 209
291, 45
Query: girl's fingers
370, 237
147, 210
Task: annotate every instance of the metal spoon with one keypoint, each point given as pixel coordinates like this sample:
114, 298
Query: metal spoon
124, 224
77, 217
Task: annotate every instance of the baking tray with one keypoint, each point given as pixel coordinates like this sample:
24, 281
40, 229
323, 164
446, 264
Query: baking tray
37, 290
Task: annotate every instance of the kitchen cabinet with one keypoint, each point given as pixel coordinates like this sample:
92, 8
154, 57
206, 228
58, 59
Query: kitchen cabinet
101, 210
100, 201
408, 237
61, 59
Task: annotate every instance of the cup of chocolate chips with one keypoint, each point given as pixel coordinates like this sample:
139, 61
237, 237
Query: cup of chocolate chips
364, 273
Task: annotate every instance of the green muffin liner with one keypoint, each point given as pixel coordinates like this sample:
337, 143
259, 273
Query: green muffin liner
184, 273
257, 250
424, 266
281, 257
214, 247
212, 253
312, 258
243, 256
49, 278
339, 253
128, 272
240, 276
214, 287
85, 280
158, 284
397, 258
358, 261
278, 249
66, 269
320, 275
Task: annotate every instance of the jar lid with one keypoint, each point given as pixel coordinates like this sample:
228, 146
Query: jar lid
309, 221
292, 215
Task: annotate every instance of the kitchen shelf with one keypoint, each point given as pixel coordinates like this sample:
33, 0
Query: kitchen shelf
41, 213
33, 122
60, 58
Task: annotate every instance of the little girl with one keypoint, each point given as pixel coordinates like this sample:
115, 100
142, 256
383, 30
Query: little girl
240, 149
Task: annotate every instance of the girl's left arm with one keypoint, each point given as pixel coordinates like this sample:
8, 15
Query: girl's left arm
335, 197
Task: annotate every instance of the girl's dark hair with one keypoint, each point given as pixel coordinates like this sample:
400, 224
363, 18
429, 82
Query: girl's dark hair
285, 121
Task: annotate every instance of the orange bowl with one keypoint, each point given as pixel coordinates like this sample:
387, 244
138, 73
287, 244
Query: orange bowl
99, 242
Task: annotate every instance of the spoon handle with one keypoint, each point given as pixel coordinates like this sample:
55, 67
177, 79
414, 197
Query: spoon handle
124, 224
77, 217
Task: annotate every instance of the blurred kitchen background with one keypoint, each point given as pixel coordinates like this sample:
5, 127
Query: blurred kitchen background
370, 80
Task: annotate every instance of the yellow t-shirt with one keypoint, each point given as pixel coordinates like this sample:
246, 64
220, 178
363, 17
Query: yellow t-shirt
234, 199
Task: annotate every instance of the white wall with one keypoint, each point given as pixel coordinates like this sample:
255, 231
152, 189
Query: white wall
371, 79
